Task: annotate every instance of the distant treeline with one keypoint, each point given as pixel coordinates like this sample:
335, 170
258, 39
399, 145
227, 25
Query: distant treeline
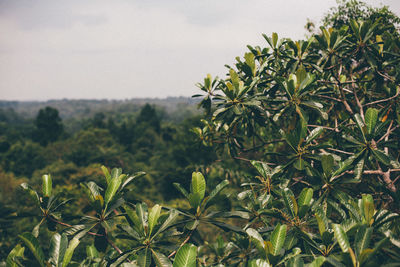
82, 108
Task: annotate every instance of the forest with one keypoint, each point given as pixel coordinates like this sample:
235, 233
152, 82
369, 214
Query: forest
292, 159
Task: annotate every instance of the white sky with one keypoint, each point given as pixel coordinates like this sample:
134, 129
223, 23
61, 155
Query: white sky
118, 49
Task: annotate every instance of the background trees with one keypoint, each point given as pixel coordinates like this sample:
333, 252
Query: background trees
48, 126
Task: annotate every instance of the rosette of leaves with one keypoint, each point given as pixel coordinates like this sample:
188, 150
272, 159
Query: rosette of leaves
60, 251
148, 232
47, 202
106, 202
200, 204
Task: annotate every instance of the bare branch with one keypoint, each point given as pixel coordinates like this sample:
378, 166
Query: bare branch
340, 151
383, 100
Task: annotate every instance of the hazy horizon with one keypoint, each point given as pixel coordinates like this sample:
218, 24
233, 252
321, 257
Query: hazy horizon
83, 49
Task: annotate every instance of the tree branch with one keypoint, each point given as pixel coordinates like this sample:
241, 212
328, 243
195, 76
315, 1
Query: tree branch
181, 245
383, 100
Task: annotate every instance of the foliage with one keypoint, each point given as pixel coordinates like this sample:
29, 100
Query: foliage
313, 126
48, 126
357, 10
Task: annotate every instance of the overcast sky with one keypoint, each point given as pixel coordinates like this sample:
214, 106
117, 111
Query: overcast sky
122, 49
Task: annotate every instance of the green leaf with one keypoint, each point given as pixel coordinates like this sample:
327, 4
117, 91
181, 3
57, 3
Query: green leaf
71, 247
153, 217
31, 192
216, 190
314, 134
296, 261
341, 237
160, 259
144, 258
344, 165
106, 174
367, 208
58, 246
173, 215
358, 170
256, 237
131, 217
317, 262
371, 117
258, 263
361, 125
91, 252
46, 185
327, 164
228, 227
304, 201
33, 244
35, 230
198, 185
274, 39
249, 58
381, 156
363, 238
261, 167
322, 220
131, 178
186, 256
112, 189
115, 173
141, 211
278, 237
290, 202
192, 225
92, 190
17, 251
194, 200
181, 189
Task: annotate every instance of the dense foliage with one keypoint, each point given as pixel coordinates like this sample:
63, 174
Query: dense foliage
318, 122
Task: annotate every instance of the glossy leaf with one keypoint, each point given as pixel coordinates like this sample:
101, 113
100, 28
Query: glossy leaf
290, 202
112, 189
216, 190
341, 237
17, 251
144, 258
153, 217
363, 238
304, 201
58, 246
186, 256
198, 185
46, 185
160, 259
33, 244
371, 117
278, 237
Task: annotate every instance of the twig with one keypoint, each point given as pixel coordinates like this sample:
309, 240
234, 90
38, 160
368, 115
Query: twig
114, 246
69, 225
385, 76
181, 245
358, 101
347, 82
384, 100
330, 98
300, 180
340, 151
343, 100
386, 178
324, 127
